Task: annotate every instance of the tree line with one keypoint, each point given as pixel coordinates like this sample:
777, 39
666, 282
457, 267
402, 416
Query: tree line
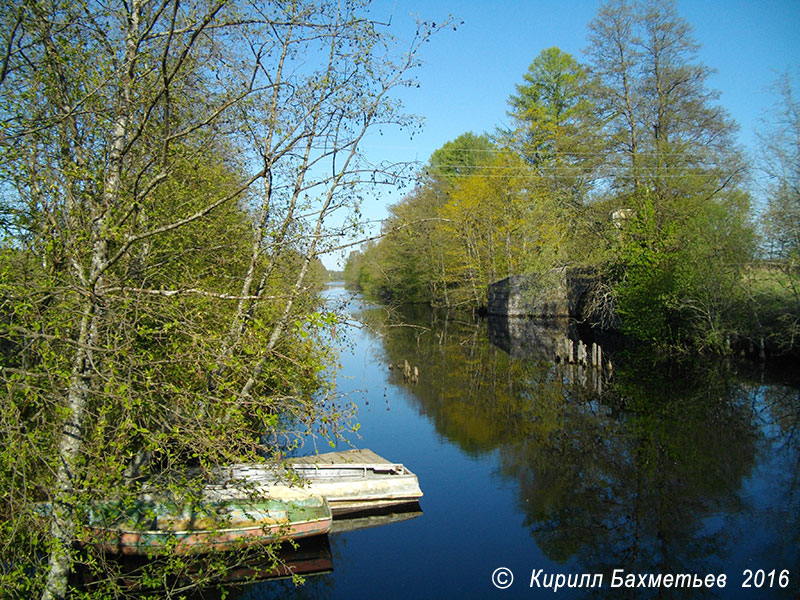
168, 172
626, 166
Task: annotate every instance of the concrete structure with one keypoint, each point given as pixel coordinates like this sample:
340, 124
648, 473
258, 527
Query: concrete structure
561, 293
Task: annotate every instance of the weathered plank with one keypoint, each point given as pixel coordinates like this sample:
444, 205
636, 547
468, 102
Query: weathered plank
363, 456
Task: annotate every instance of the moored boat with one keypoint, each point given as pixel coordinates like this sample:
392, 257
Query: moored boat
225, 519
351, 481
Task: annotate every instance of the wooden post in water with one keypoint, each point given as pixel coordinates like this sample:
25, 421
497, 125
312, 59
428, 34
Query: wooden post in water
581, 353
597, 356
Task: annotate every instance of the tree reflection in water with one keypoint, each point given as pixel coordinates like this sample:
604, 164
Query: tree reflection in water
671, 468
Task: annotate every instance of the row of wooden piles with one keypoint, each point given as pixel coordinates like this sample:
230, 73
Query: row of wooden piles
571, 352
409, 374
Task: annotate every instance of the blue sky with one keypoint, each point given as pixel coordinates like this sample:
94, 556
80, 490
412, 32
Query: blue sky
469, 74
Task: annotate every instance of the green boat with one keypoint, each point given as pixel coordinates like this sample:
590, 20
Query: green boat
221, 521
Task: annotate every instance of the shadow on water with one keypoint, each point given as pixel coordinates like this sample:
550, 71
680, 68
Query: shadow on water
690, 466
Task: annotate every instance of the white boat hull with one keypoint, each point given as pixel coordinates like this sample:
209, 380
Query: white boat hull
351, 481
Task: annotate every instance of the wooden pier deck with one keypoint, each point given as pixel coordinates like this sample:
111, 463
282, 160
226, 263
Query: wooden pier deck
363, 456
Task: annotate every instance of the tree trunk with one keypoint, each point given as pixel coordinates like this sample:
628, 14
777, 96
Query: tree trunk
62, 526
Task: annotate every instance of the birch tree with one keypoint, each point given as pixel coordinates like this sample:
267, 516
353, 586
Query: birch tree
169, 174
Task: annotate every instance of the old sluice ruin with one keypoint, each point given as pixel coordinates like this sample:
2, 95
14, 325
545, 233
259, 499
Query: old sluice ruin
538, 317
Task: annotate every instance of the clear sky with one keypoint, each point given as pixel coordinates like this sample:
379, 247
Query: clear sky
469, 74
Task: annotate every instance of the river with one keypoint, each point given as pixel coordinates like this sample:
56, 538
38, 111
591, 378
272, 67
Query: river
546, 470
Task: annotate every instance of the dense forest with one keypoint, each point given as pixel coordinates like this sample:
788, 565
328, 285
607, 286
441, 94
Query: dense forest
623, 166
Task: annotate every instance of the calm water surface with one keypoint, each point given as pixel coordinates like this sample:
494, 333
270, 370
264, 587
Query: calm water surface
528, 466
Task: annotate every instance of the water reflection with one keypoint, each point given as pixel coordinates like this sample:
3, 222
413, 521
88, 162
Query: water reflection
691, 467
532, 339
270, 577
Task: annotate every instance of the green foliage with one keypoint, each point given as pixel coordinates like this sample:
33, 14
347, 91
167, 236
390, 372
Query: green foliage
623, 166
458, 231
681, 271
162, 221
770, 314
646, 284
464, 155
775, 299
556, 126
489, 210
678, 274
